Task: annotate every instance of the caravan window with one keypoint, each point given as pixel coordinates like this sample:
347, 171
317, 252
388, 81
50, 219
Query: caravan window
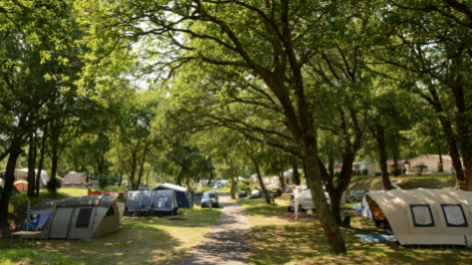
83, 219
422, 216
454, 215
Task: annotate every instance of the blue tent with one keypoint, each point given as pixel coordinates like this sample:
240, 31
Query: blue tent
183, 198
14, 192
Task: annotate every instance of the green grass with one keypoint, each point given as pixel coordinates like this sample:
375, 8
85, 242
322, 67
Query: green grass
275, 239
28, 256
426, 181
142, 240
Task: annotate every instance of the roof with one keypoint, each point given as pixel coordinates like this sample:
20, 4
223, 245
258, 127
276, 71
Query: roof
436, 156
100, 201
173, 187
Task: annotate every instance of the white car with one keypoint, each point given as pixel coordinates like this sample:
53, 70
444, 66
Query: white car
306, 204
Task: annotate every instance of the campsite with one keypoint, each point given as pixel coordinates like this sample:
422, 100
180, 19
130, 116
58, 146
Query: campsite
235, 132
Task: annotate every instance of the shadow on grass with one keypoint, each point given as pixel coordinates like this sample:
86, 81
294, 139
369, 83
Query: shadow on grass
305, 243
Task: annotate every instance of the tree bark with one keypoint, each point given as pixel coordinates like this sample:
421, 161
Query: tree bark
54, 160
295, 173
41, 159
210, 179
31, 165
379, 135
15, 151
250, 153
231, 175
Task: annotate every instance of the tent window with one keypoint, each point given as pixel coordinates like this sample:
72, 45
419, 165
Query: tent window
162, 202
110, 211
454, 215
422, 216
83, 219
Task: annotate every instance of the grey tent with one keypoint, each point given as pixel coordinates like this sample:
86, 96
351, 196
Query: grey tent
156, 202
79, 217
183, 197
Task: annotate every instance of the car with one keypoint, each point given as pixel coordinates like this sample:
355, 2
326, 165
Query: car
242, 194
210, 197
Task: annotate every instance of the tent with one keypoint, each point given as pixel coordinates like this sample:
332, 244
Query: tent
155, 202
74, 179
305, 195
183, 198
84, 217
14, 192
423, 216
22, 174
21, 185
365, 209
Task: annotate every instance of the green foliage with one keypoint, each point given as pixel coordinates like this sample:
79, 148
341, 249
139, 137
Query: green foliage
365, 172
244, 185
53, 185
103, 181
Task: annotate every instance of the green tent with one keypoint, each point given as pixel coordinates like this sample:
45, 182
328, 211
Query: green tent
15, 191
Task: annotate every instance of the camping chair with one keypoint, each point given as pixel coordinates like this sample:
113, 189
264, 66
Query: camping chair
468, 243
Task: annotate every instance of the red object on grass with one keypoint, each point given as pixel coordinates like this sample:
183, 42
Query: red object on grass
292, 216
94, 193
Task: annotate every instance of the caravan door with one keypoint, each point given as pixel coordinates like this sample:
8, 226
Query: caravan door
60, 223
82, 222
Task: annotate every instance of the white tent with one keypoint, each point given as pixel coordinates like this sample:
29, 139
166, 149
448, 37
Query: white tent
305, 195
423, 216
22, 174
74, 179
365, 212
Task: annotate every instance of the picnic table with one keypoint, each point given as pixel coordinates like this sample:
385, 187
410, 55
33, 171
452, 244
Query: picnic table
26, 234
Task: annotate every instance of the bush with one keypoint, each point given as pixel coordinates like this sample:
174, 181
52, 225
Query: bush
337, 174
396, 172
365, 172
102, 181
53, 185
244, 185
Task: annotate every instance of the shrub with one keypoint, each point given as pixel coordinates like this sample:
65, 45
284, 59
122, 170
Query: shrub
337, 174
102, 181
396, 172
53, 185
365, 172
244, 185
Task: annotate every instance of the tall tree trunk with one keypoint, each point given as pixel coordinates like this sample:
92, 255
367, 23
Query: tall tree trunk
440, 167
379, 135
15, 151
395, 154
41, 159
259, 176
328, 222
210, 178
31, 165
295, 173
281, 173
231, 175
54, 160
331, 163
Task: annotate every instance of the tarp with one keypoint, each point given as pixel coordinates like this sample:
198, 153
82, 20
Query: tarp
84, 217
423, 216
305, 195
152, 202
183, 198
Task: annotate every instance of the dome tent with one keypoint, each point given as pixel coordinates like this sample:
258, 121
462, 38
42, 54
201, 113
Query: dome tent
74, 179
84, 217
156, 202
183, 198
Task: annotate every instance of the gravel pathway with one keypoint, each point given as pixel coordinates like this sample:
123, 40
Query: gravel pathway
227, 241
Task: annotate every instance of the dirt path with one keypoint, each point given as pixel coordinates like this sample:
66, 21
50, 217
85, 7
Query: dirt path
227, 241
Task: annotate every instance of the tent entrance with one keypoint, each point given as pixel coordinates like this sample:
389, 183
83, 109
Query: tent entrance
82, 222
60, 223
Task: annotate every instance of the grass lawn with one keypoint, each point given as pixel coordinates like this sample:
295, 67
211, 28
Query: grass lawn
426, 181
275, 239
142, 240
29, 256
